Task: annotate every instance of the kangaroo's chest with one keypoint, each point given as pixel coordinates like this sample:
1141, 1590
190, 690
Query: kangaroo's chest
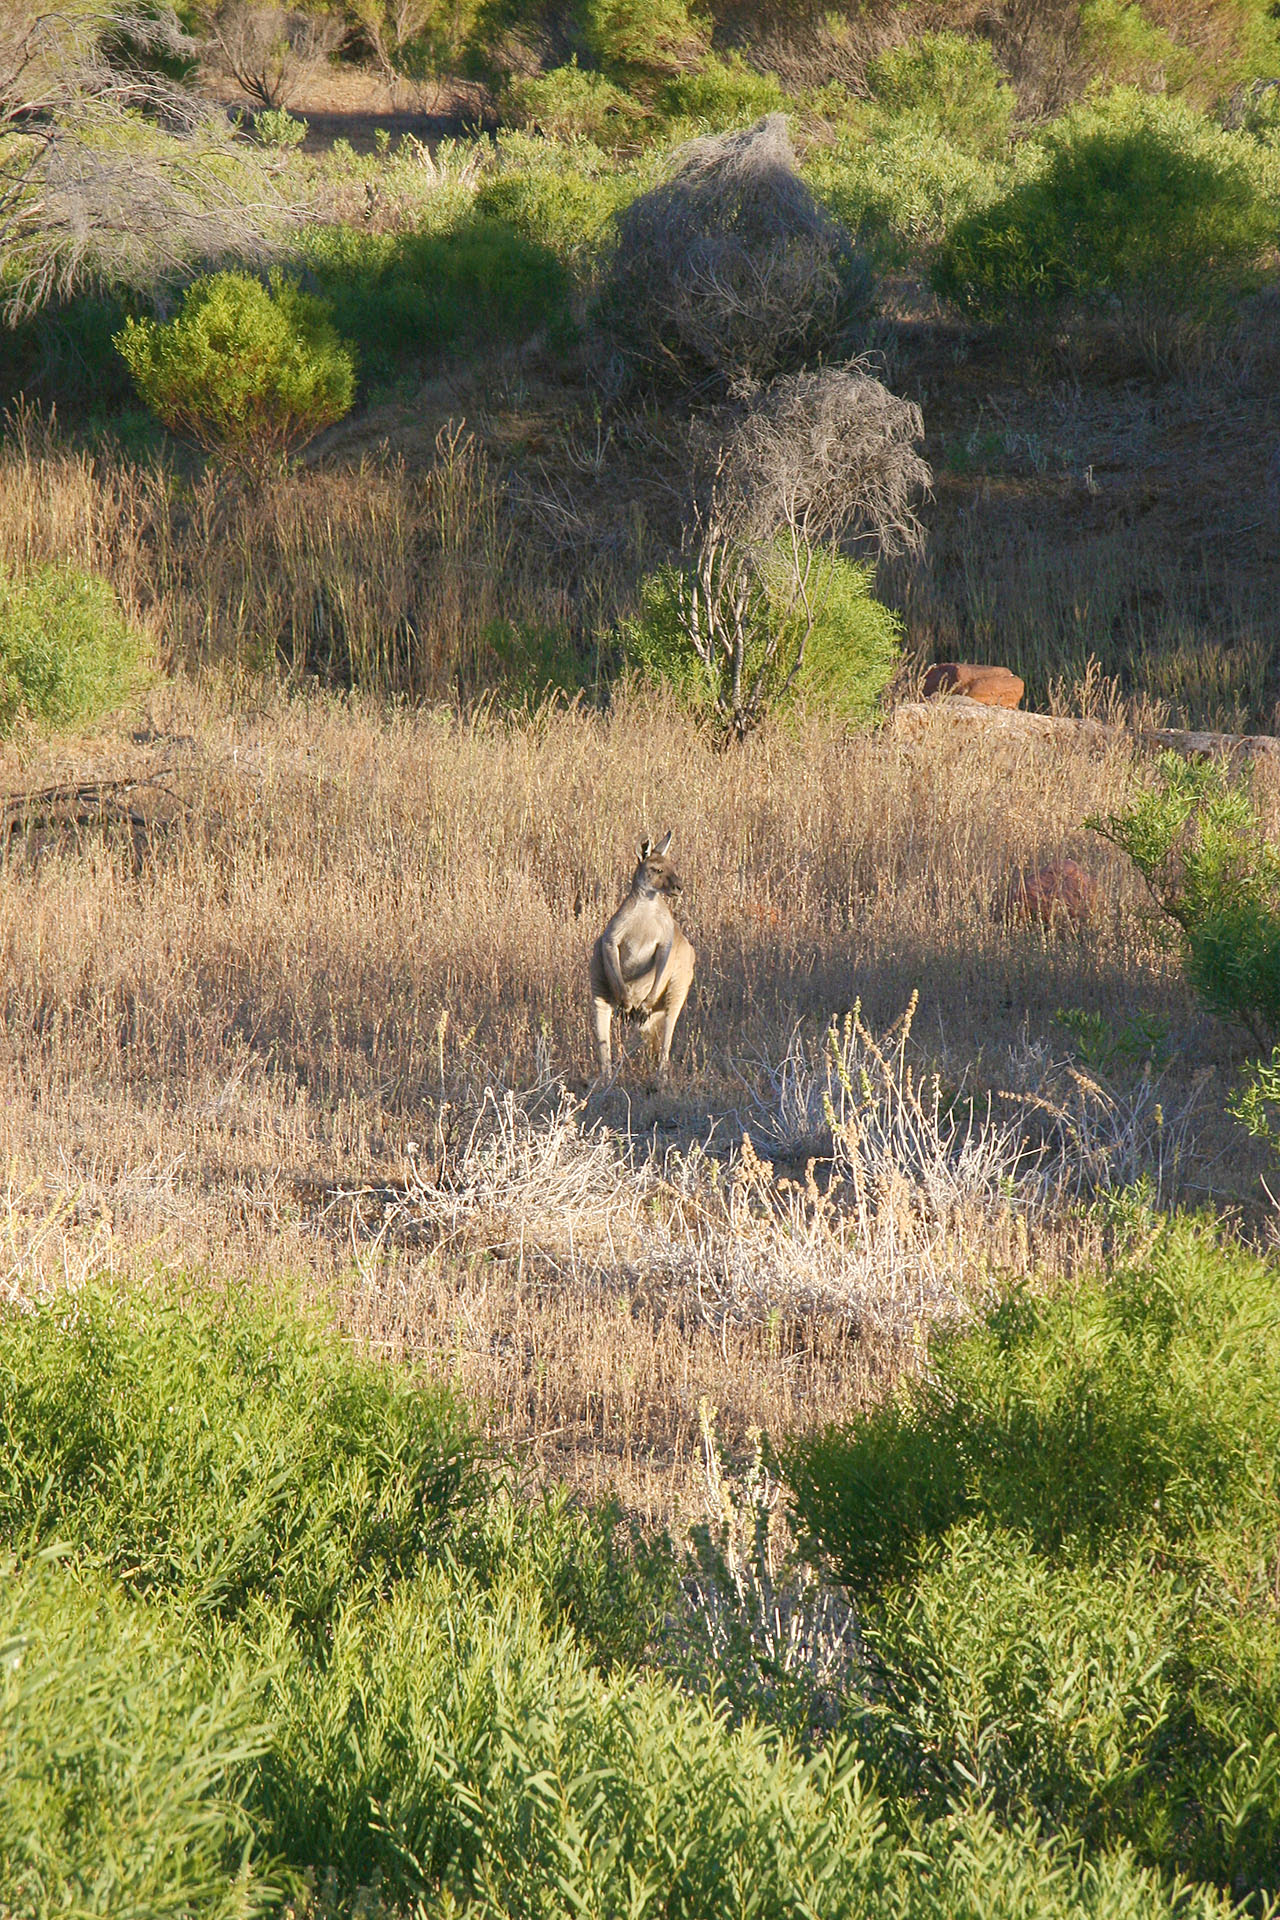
640, 941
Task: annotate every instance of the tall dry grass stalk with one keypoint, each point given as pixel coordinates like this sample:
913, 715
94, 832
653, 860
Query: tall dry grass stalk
352, 930
376, 575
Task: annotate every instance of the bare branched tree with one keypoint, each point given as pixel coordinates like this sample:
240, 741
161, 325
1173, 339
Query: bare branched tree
269, 51
820, 462
729, 270
109, 170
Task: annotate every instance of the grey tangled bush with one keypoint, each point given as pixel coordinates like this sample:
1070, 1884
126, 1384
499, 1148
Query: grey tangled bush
729, 271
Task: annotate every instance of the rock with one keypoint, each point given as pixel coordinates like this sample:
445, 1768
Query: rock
989, 686
1062, 890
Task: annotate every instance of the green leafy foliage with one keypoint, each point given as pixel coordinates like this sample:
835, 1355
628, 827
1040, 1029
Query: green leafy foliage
947, 84
904, 189
278, 129
1063, 1534
1256, 1101
850, 656
1196, 839
123, 1758
220, 1451
1121, 45
639, 41
1134, 193
406, 298
562, 209
721, 93
528, 664
375, 1685
67, 653
420, 39
572, 103
245, 370
1137, 1404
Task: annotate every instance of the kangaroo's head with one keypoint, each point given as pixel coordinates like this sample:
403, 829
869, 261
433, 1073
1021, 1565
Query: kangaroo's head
655, 873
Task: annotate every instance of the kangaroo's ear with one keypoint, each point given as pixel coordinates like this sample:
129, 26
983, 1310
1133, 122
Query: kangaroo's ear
665, 842
644, 850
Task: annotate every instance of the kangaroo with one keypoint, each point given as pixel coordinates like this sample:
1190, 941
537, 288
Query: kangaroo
642, 964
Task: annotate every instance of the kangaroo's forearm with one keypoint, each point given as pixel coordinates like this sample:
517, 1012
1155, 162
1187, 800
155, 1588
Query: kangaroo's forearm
612, 959
662, 973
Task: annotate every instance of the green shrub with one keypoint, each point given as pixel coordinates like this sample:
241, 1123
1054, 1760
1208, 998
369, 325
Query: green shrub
220, 1451
457, 1742
246, 371
123, 1759
571, 103
406, 298
1063, 1537
559, 209
1122, 1703
1139, 1405
948, 84
1120, 45
67, 653
526, 664
904, 189
721, 93
65, 356
1196, 839
1134, 195
470, 1733
276, 127
639, 41
851, 655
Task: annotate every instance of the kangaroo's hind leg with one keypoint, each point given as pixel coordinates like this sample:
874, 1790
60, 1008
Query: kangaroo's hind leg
601, 1016
660, 1024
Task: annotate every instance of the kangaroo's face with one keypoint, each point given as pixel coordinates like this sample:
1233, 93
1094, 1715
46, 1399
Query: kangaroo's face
656, 872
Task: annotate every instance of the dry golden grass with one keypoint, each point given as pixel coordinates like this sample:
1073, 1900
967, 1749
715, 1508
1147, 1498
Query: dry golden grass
277, 1044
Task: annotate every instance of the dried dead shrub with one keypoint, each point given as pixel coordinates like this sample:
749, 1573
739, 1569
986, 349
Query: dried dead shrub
729, 271
825, 454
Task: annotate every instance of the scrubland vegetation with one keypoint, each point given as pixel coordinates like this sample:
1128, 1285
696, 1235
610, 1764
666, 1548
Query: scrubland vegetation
445, 443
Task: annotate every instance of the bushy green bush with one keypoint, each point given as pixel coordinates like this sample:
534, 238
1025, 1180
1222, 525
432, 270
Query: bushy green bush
721, 93
1121, 46
948, 84
67, 653
65, 356
245, 370
405, 298
851, 654
526, 664
461, 1726
1196, 839
124, 1756
1134, 194
562, 209
572, 103
458, 1741
637, 42
905, 189
278, 129
220, 1451
1061, 1535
